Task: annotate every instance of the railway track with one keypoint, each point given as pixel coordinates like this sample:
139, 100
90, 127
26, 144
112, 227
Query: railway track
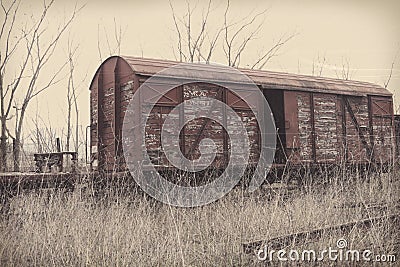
313, 235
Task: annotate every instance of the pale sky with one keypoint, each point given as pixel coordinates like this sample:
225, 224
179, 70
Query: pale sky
366, 33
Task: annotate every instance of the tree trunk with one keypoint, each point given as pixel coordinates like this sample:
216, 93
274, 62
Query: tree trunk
3, 137
16, 152
17, 147
16, 155
3, 146
77, 130
68, 126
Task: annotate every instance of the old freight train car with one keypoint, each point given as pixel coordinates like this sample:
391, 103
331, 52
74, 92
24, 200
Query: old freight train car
318, 120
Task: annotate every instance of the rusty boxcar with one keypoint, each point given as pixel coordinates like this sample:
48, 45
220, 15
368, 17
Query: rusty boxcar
318, 120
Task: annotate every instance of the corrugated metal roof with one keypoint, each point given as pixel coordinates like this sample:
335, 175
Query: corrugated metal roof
265, 79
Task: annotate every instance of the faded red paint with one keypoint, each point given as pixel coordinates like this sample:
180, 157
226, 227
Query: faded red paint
320, 120
397, 135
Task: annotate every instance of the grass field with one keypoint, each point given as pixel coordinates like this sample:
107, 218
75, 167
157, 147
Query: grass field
60, 228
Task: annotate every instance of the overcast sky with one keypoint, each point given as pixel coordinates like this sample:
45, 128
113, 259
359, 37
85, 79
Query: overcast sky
364, 33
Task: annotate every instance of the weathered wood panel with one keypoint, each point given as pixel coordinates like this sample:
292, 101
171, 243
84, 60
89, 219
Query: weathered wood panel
325, 124
93, 123
305, 126
357, 133
291, 119
397, 135
382, 128
197, 129
340, 130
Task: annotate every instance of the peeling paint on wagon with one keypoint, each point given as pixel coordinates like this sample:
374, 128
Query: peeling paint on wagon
321, 120
397, 135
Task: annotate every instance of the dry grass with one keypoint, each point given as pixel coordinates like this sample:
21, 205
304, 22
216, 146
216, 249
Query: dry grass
52, 227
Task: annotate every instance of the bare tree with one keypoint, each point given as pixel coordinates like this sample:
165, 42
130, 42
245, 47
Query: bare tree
71, 97
344, 72
233, 37
112, 49
386, 83
192, 47
43, 135
38, 52
318, 65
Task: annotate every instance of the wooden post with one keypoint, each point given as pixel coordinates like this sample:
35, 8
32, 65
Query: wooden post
58, 144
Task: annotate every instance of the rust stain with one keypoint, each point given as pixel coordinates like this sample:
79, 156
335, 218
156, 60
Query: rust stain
318, 126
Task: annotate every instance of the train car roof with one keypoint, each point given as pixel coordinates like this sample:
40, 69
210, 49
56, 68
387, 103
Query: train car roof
264, 79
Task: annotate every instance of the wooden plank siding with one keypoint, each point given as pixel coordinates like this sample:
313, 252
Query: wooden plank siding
320, 120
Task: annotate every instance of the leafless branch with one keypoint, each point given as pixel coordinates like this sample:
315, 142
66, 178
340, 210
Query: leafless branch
37, 55
272, 52
318, 65
234, 37
345, 71
114, 43
98, 43
386, 83
178, 32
